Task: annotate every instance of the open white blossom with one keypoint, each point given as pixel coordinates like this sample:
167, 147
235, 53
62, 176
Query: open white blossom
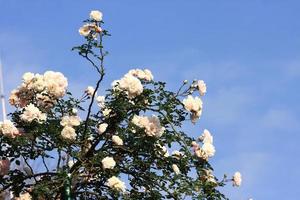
116, 183
206, 137
209, 176
106, 112
96, 15
86, 29
68, 133
108, 163
201, 87
237, 179
177, 154
142, 74
8, 129
117, 140
151, 124
162, 150
200, 153
194, 105
100, 101
56, 83
70, 121
131, 85
90, 90
27, 77
209, 149
176, 169
31, 112
102, 128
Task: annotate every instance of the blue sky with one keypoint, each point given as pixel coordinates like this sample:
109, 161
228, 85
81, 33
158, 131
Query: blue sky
246, 51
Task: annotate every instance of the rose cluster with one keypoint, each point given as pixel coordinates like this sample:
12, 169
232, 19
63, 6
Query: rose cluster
42, 90
92, 28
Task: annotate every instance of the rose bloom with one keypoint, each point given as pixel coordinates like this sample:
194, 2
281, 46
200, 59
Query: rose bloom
8, 129
4, 167
151, 124
201, 87
108, 163
237, 179
192, 104
142, 74
131, 85
117, 140
96, 15
176, 169
27, 77
102, 128
68, 133
106, 112
177, 154
116, 183
31, 113
209, 149
85, 30
70, 121
89, 90
206, 137
101, 101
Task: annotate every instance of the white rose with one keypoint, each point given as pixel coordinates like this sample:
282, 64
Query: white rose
177, 154
70, 121
131, 85
108, 163
96, 15
116, 183
68, 133
194, 105
85, 30
31, 112
89, 90
151, 124
8, 129
206, 137
27, 77
117, 140
200, 153
176, 169
162, 150
102, 128
142, 74
209, 149
106, 112
101, 101
201, 87
237, 179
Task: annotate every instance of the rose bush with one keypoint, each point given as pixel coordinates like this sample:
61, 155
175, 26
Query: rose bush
119, 150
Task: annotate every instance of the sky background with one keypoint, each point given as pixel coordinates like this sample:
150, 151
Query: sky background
246, 51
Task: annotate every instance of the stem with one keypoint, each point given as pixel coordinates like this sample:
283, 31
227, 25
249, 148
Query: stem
101, 72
